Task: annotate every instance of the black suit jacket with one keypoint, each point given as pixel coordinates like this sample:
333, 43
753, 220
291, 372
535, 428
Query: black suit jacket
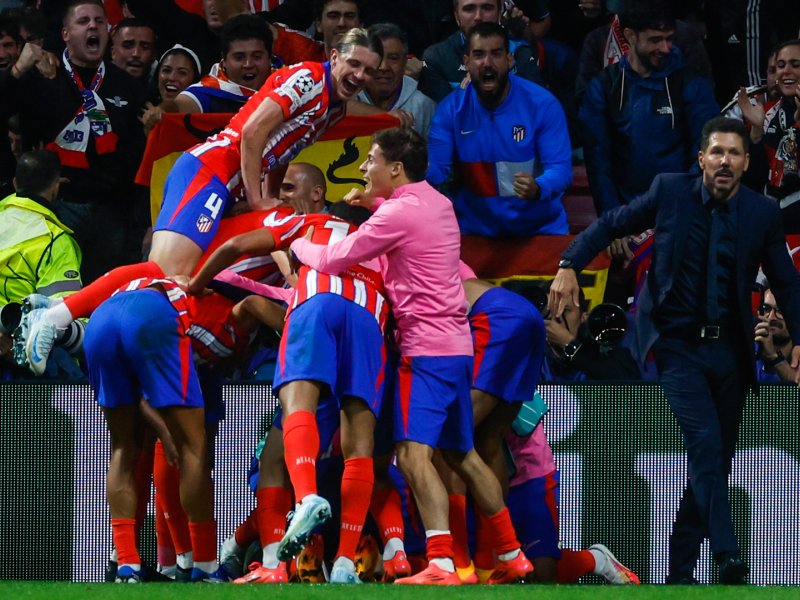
668, 207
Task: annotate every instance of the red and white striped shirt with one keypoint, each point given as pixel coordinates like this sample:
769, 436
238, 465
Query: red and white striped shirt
207, 321
361, 284
303, 91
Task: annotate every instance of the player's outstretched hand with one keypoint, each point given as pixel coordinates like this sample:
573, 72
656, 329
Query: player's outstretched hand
309, 234
358, 197
564, 289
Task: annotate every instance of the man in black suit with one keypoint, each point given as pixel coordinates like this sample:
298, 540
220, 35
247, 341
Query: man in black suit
711, 236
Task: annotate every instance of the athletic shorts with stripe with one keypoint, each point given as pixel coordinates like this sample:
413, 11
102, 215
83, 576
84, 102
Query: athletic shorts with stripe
508, 334
433, 403
194, 201
533, 506
335, 341
134, 346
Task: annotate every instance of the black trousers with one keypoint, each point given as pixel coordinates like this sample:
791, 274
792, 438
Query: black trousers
705, 383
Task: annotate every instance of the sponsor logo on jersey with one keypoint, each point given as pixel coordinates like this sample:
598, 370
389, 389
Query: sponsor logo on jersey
664, 110
71, 274
204, 224
518, 132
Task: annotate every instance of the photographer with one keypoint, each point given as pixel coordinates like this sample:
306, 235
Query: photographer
574, 356
774, 342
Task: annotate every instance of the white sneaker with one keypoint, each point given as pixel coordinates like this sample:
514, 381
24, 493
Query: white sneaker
35, 302
312, 511
344, 571
610, 569
39, 336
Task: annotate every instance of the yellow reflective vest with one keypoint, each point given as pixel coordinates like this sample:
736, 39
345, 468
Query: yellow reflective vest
37, 252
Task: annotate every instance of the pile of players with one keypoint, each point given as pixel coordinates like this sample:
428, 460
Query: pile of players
388, 342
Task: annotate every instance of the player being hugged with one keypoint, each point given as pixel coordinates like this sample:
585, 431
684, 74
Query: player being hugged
331, 351
415, 227
290, 112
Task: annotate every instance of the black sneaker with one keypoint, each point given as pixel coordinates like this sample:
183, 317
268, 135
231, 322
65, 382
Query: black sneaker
110, 574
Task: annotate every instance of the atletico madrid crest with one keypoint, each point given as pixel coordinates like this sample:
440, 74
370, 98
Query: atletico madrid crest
204, 224
519, 133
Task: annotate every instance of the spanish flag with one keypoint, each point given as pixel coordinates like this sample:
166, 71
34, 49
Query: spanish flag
339, 152
512, 261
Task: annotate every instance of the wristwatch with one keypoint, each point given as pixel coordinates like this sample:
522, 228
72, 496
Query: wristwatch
571, 349
566, 263
773, 362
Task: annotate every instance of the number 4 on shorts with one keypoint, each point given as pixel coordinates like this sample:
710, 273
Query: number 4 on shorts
214, 203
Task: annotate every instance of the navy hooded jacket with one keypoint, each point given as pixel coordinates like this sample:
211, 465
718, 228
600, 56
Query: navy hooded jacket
636, 128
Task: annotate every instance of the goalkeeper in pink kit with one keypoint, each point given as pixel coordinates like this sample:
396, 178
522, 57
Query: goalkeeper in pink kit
414, 228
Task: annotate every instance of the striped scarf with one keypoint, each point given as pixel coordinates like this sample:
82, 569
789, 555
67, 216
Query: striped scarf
218, 79
71, 143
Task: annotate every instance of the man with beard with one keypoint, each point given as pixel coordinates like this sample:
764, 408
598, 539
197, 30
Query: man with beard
711, 235
774, 342
86, 111
509, 138
134, 48
642, 116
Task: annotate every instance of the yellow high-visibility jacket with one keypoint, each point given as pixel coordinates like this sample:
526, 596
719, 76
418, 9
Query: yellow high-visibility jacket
37, 252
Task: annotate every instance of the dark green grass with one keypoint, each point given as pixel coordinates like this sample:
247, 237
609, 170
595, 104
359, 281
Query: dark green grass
12, 590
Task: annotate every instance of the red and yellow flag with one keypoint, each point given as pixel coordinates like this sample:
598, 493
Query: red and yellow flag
338, 152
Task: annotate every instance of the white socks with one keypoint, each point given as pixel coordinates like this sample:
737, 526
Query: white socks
344, 563
270, 559
59, 316
185, 560
207, 566
509, 555
393, 546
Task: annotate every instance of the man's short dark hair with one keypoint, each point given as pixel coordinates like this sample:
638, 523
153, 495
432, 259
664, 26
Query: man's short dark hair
9, 27
133, 22
73, 5
245, 27
389, 31
641, 15
455, 4
350, 213
486, 30
725, 125
31, 20
37, 171
360, 37
404, 146
785, 44
319, 7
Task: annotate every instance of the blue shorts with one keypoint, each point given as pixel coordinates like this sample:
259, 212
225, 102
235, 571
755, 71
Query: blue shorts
533, 506
508, 334
211, 387
134, 346
328, 420
384, 428
335, 341
432, 402
194, 201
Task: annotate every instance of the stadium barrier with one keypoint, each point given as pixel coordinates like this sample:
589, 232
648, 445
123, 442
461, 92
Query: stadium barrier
617, 447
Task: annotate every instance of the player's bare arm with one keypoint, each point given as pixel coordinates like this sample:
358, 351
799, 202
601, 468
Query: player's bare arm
255, 135
259, 242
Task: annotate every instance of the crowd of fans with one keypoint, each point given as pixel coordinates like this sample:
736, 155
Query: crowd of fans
621, 88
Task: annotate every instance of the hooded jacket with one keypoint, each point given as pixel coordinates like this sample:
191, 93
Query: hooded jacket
636, 128
410, 100
37, 251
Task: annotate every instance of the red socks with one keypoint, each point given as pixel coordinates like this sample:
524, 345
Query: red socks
168, 496
574, 565
386, 507
82, 303
247, 532
164, 545
502, 532
274, 503
124, 533
458, 528
357, 483
439, 546
484, 557
301, 443
204, 541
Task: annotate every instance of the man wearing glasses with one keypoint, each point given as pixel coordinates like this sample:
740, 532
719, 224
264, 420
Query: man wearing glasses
774, 343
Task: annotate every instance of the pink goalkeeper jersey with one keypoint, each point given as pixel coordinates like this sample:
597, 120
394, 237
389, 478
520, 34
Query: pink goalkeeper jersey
416, 229
532, 455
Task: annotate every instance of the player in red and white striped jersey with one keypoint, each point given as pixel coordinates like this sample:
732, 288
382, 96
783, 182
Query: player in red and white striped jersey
332, 341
